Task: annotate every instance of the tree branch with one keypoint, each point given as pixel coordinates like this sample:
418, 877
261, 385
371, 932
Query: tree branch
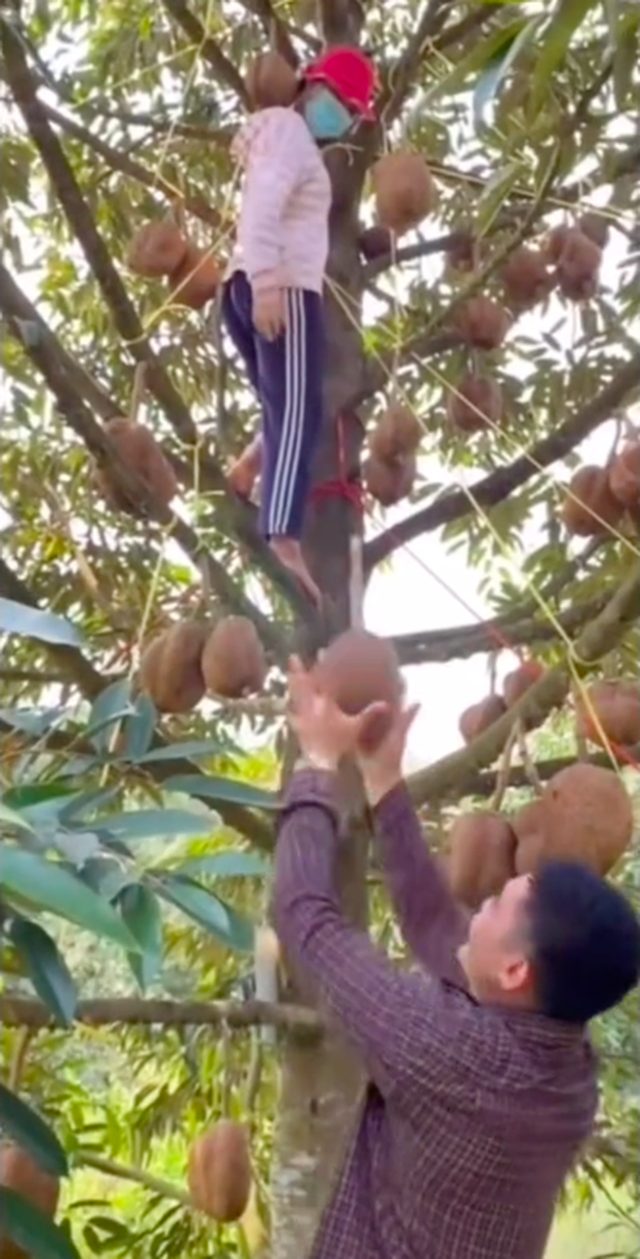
43, 347
81, 420
498, 485
73, 665
454, 772
207, 48
408, 253
165, 1188
275, 29
93, 246
402, 75
460, 642
341, 21
194, 204
484, 784
23, 1012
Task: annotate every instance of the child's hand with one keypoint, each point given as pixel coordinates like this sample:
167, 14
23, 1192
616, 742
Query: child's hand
269, 313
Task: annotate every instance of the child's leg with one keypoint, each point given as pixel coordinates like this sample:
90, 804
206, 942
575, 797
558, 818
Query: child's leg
237, 319
291, 382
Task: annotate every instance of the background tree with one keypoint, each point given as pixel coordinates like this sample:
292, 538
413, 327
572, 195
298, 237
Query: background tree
115, 114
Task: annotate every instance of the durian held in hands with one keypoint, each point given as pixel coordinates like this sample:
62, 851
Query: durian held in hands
358, 669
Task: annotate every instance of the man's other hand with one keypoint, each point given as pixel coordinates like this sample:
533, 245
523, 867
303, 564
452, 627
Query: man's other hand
382, 769
324, 732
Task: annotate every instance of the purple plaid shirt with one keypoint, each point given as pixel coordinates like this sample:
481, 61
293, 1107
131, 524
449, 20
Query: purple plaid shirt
474, 1114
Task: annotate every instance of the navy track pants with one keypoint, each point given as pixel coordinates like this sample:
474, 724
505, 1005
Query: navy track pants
287, 375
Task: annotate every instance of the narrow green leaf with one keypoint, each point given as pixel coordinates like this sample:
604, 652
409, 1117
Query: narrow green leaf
568, 16
209, 912
112, 705
496, 191
46, 968
17, 618
189, 750
226, 865
227, 789
480, 56
154, 824
31, 1230
25, 1127
50, 887
496, 69
141, 913
26, 795
139, 728
12, 818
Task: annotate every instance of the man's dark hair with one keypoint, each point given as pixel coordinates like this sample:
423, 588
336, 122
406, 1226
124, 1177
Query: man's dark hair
585, 939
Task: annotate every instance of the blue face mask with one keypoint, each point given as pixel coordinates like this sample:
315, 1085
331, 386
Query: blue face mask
326, 117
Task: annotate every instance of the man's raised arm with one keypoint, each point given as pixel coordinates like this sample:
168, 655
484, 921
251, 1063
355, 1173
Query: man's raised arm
432, 924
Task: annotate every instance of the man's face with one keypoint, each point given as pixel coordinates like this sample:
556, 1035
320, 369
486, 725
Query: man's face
495, 956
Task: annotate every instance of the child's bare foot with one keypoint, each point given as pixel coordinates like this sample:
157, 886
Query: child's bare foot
289, 552
244, 473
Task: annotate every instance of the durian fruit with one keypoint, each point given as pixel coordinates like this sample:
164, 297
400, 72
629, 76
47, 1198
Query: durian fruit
233, 662
404, 191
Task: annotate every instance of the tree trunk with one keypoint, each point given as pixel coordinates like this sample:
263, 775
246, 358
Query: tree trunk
320, 1082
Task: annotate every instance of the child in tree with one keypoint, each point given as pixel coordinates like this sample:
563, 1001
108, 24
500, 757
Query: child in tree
272, 301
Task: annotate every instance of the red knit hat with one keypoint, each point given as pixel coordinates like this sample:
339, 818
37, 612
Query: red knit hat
350, 74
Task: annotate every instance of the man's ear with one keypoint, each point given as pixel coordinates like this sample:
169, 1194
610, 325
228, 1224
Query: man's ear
516, 976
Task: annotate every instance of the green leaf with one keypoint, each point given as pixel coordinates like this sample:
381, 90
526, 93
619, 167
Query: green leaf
209, 912
482, 54
112, 705
568, 16
17, 618
188, 750
31, 1230
496, 191
226, 865
227, 789
52, 888
12, 818
155, 824
139, 728
141, 913
26, 795
25, 1127
46, 968
496, 69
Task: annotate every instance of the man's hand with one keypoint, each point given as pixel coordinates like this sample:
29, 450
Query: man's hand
382, 770
325, 733
269, 312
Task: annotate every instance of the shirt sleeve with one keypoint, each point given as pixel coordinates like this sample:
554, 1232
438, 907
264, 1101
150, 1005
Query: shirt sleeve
416, 1036
432, 923
274, 166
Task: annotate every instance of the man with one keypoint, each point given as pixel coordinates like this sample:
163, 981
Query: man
482, 1081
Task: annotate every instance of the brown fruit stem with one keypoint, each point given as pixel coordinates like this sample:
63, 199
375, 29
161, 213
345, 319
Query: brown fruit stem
137, 393
156, 1184
504, 771
18, 1061
527, 759
582, 748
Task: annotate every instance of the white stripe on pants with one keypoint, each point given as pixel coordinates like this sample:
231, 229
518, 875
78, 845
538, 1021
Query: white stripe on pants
293, 419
